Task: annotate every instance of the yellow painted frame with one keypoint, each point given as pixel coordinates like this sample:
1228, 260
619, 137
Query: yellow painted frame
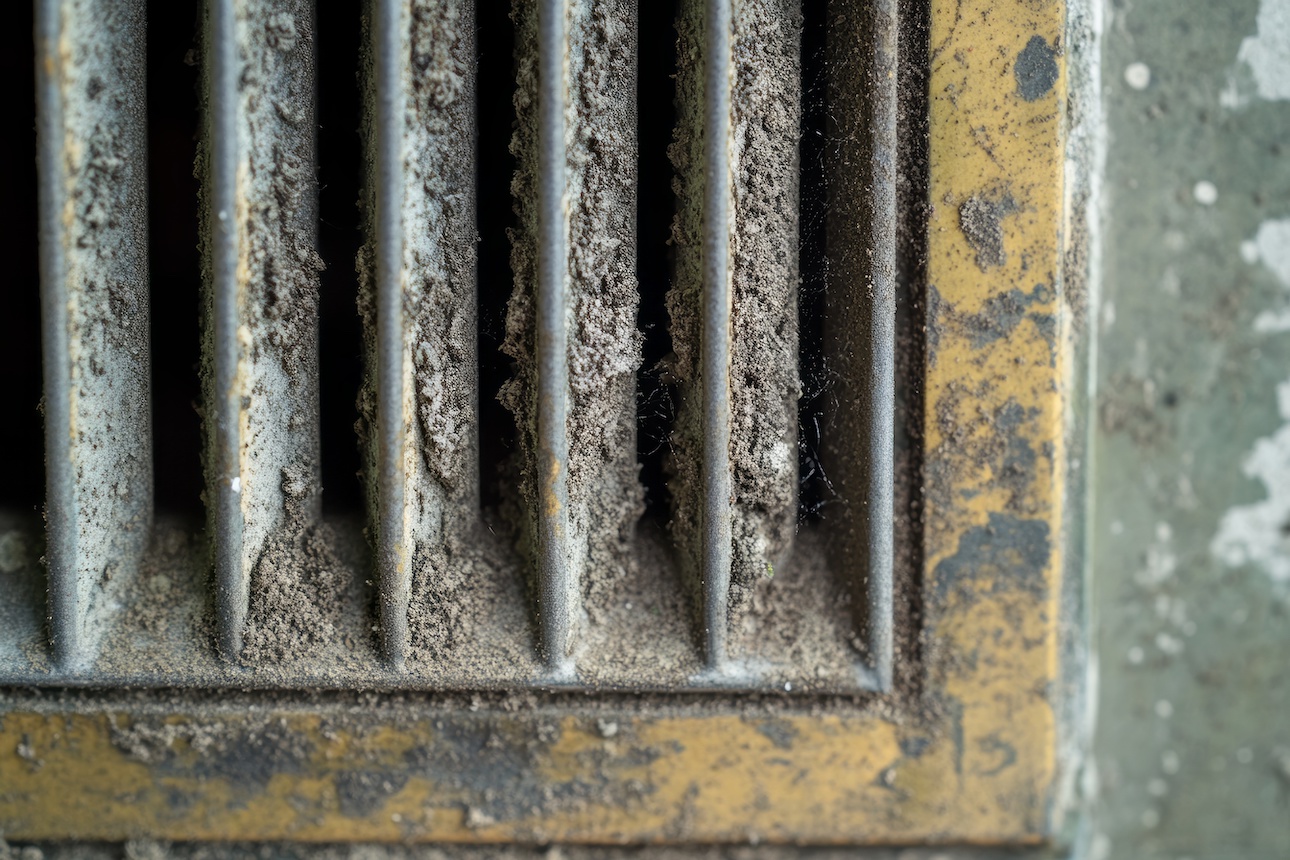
974, 762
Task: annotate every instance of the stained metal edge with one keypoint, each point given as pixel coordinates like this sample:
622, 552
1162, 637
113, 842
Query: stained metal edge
232, 585
66, 621
557, 582
393, 562
880, 444
715, 338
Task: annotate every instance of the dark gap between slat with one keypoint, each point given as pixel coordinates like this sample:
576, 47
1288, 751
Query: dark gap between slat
496, 215
340, 361
656, 207
816, 406
174, 260
21, 430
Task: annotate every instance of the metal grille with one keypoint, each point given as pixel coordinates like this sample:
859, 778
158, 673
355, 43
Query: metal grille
565, 586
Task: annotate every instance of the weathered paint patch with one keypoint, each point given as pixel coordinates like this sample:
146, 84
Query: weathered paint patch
1259, 533
1262, 67
1007, 553
981, 220
1036, 69
1271, 246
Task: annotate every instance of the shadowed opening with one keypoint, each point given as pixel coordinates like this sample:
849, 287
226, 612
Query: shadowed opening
174, 259
496, 120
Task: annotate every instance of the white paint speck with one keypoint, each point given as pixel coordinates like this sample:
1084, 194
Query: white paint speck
1164, 709
1136, 655
788, 688
1205, 192
1170, 645
1137, 75
1157, 787
1262, 65
1245, 755
1252, 534
1150, 819
1117, 527
1169, 762
1160, 559
235, 485
1250, 251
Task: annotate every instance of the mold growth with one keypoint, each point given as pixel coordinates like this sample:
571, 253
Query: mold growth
605, 494
764, 386
438, 325
277, 371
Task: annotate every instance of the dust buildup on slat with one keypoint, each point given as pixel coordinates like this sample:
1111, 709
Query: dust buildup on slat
606, 498
294, 580
103, 244
764, 386
439, 319
298, 582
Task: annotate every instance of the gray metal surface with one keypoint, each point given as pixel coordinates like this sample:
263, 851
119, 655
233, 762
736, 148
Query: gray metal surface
94, 307
232, 580
444, 583
715, 343
260, 358
557, 582
393, 556
862, 307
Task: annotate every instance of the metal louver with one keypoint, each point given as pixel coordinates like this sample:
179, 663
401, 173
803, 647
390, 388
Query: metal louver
565, 586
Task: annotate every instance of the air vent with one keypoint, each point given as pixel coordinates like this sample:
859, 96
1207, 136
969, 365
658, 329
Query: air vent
489, 557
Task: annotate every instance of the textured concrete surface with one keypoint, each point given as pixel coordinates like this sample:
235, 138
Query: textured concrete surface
1190, 526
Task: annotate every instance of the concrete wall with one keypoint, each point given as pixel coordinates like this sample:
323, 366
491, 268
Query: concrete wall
1189, 526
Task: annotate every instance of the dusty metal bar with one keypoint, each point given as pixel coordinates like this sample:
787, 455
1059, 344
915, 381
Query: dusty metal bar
881, 346
64, 605
260, 373
393, 548
557, 582
232, 581
715, 339
418, 294
862, 307
94, 307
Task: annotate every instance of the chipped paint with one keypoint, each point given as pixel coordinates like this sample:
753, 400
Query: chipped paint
1259, 533
1271, 246
1262, 67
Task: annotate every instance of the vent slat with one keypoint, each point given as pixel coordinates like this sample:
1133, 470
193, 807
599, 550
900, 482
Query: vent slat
421, 319
261, 334
394, 544
223, 418
94, 303
734, 306
572, 318
862, 252
718, 484
557, 582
